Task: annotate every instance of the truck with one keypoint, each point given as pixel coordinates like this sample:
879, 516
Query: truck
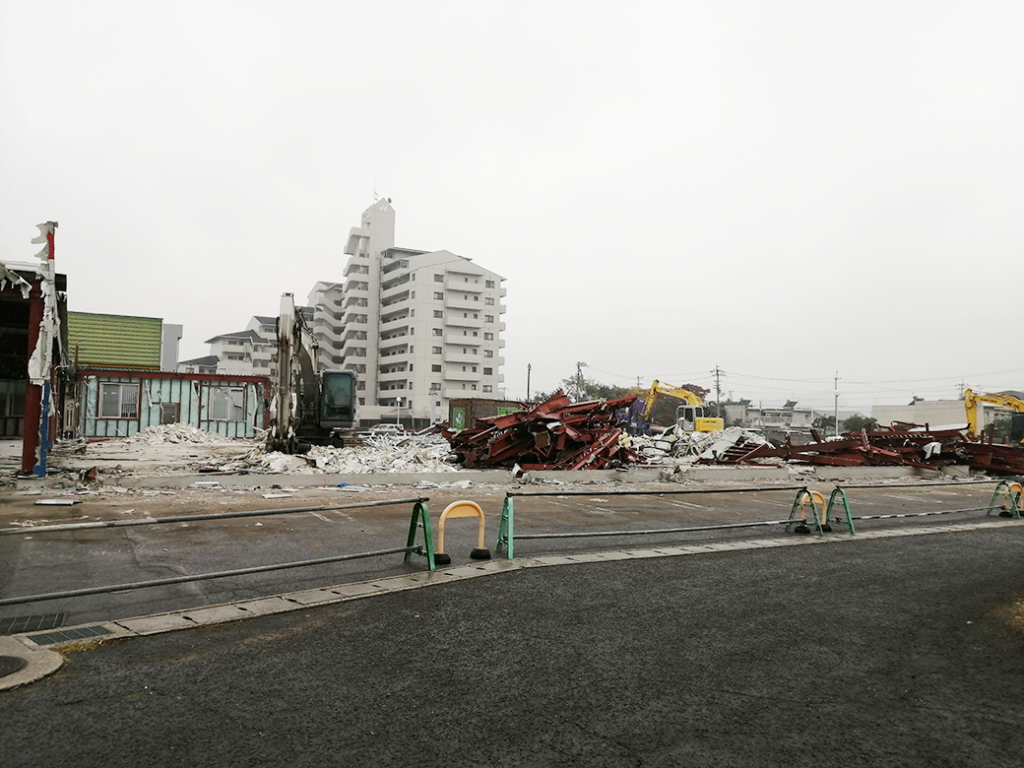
689, 416
309, 406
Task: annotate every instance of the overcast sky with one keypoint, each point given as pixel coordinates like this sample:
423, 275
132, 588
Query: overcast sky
782, 190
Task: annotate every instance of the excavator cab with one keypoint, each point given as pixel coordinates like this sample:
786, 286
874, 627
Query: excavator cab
686, 417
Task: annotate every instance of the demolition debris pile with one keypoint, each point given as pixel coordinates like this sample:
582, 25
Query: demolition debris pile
161, 434
689, 446
556, 434
378, 455
895, 446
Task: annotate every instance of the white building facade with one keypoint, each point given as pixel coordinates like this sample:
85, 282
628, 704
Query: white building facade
419, 327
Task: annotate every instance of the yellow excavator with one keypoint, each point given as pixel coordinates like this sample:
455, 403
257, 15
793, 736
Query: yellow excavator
689, 416
971, 401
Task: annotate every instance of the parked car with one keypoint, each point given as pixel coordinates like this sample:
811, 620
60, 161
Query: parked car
378, 430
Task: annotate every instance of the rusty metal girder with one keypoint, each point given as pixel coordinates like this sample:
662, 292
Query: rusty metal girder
555, 434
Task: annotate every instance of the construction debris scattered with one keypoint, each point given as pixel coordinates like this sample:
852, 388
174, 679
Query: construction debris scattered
379, 454
895, 446
556, 434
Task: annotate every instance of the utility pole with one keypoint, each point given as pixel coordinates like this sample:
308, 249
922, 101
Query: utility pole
718, 391
580, 391
835, 414
529, 368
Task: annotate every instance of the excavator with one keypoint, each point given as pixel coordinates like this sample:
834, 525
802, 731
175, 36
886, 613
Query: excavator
971, 401
309, 407
689, 416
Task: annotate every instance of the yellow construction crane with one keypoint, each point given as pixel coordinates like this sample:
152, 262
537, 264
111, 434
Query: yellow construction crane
972, 399
689, 416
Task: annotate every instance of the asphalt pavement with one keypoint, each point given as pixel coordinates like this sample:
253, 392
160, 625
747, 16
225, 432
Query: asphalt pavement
901, 651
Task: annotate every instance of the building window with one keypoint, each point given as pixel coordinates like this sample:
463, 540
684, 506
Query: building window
476, 298
488, 336
473, 387
436, 350
474, 369
439, 295
438, 278
489, 301
463, 368
119, 401
488, 371
488, 318
438, 313
488, 353
489, 284
476, 316
488, 388
435, 368
226, 404
438, 332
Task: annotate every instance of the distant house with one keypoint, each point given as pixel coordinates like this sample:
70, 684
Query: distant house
120, 388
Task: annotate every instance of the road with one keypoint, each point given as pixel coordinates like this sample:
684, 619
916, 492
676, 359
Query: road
39, 563
903, 651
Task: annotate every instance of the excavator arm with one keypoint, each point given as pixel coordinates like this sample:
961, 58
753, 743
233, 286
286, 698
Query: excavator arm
657, 388
973, 399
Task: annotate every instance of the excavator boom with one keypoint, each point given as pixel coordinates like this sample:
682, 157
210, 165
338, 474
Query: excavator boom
973, 399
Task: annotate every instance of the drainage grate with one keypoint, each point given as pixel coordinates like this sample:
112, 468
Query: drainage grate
67, 635
20, 624
10, 664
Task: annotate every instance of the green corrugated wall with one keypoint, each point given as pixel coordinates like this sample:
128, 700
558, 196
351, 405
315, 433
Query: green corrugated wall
115, 341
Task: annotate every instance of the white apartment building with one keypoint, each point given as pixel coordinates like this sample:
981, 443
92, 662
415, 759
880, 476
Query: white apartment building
419, 327
252, 352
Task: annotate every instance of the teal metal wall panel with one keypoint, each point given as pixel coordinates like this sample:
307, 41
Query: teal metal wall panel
195, 402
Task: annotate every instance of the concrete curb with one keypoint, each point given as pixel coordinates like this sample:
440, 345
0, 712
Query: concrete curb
39, 662
42, 660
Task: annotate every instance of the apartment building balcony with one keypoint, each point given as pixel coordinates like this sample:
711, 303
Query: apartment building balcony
397, 282
455, 372
388, 321
453, 358
394, 350
355, 301
458, 393
457, 283
355, 317
391, 265
353, 334
452, 320
355, 267
456, 301
398, 377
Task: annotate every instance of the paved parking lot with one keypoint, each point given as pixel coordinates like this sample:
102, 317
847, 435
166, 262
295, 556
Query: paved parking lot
38, 563
873, 651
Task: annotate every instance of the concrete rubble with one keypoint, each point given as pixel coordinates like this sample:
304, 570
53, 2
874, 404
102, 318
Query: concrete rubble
380, 454
689, 447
